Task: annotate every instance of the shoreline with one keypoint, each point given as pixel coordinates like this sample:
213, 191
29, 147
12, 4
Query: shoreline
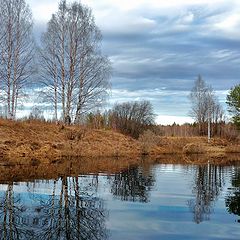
74, 167
35, 142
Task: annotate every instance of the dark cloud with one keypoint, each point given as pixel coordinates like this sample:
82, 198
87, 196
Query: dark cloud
167, 48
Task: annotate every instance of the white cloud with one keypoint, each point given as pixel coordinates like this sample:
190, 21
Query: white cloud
188, 18
164, 47
120, 23
126, 5
169, 120
229, 25
42, 10
123, 95
138, 16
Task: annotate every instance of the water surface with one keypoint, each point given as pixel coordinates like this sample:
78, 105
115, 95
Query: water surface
149, 201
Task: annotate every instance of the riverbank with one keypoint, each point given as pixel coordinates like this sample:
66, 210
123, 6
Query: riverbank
34, 142
74, 167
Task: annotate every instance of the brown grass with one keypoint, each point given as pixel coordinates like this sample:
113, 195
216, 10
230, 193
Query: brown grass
48, 141
193, 148
232, 149
193, 145
35, 142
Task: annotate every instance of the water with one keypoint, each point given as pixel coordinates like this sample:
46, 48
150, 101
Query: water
161, 201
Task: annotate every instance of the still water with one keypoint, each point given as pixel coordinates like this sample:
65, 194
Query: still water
161, 201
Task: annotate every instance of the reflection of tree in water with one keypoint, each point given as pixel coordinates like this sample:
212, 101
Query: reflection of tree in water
10, 212
208, 185
132, 184
71, 214
77, 216
233, 199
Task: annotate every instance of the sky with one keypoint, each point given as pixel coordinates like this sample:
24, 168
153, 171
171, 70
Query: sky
158, 48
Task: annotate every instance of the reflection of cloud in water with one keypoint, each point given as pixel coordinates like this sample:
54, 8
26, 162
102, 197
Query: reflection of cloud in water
146, 202
132, 185
73, 214
209, 181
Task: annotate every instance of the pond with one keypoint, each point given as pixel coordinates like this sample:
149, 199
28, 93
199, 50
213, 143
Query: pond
148, 201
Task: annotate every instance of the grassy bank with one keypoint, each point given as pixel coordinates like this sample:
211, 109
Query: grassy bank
34, 142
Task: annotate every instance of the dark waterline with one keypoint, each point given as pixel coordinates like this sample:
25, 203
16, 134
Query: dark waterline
162, 201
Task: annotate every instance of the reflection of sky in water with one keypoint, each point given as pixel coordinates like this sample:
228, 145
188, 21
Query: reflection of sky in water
167, 214
163, 213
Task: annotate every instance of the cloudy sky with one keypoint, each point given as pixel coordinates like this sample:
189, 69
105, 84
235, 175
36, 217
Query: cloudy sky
158, 48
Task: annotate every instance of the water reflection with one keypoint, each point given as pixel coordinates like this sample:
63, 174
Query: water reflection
71, 211
233, 197
209, 180
11, 209
132, 184
75, 207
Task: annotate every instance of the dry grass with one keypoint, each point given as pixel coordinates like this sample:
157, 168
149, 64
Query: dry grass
47, 141
175, 145
148, 140
194, 148
232, 149
217, 148
34, 142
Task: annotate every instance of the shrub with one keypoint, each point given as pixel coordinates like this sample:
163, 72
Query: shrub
148, 140
193, 148
76, 134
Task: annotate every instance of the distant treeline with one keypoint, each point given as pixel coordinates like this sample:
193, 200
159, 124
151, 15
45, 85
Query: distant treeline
136, 118
110, 120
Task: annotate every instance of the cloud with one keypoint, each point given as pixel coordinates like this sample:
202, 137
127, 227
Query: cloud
42, 10
169, 120
164, 45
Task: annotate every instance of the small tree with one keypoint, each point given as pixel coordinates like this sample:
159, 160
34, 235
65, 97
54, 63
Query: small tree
147, 141
233, 102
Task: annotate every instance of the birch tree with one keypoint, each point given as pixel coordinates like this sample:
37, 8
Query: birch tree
75, 72
205, 107
16, 52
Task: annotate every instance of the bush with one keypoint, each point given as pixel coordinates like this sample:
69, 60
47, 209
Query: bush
148, 140
193, 148
76, 134
132, 118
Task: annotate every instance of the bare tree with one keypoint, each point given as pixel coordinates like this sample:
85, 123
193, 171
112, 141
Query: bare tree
16, 51
75, 72
205, 106
217, 117
36, 113
50, 72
